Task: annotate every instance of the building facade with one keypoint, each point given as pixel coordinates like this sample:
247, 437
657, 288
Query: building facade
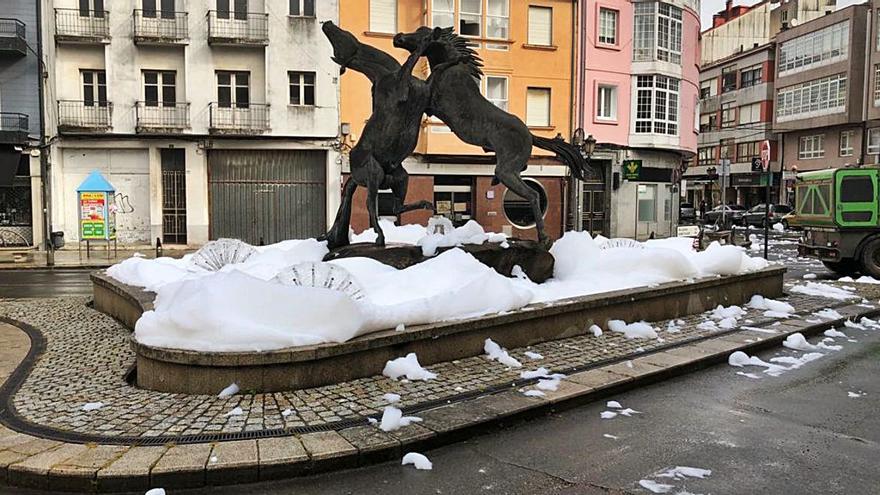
211, 118
20, 124
637, 94
527, 51
822, 96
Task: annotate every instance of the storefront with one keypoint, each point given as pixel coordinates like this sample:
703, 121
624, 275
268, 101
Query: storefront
16, 202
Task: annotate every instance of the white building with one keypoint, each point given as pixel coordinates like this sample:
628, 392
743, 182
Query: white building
212, 118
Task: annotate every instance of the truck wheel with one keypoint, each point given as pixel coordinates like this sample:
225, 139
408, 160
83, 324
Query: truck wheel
846, 266
871, 258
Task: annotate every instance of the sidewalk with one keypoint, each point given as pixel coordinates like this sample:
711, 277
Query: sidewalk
141, 439
72, 258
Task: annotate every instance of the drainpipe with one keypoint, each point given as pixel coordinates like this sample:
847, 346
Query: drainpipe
866, 80
575, 52
45, 192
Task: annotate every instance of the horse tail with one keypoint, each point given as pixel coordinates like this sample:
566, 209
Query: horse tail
568, 154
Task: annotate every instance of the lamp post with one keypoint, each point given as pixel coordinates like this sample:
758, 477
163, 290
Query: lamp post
586, 145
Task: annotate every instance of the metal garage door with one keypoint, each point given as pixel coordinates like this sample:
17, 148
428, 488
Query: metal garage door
267, 196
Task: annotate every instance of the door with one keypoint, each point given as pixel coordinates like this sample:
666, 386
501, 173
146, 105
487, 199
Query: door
233, 99
173, 196
593, 208
232, 18
159, 18
160, 98
271, 195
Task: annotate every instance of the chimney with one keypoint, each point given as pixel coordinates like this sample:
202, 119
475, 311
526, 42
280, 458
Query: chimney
727, 8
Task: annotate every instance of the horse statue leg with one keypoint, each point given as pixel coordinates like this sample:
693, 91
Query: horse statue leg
337, 236
399, 181
373, 175
508, 172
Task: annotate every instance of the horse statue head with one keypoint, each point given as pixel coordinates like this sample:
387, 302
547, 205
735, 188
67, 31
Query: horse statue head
441, 45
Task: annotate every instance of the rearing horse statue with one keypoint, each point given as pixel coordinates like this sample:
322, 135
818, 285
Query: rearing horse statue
456, 99
390, 135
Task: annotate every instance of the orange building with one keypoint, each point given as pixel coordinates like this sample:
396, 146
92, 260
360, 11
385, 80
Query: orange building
526, 49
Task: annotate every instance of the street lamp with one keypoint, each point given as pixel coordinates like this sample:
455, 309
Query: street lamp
586, 145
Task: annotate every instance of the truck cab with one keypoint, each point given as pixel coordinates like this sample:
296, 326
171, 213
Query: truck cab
838, 212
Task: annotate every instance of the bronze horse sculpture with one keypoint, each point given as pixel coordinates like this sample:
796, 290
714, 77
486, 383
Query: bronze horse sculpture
452, 94
390, 135
456, 99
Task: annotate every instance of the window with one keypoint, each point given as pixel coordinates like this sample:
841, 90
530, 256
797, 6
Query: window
470, 18
91, 8
751, 76
745, 152
811, 147
302, 88
708, 88
497, 19
442, 13
726, 151
728, 79
657, 33
750, 114
822, 47
518, 210
305, 8
165, 8
877, 84
728, 115
540, 26
846, 143
706, 156
874, 141
538, 107
811, 99
607, 26
857, 189
233, 89
383, 16
878, 31
656, 105
160, 88
238, 8
647, 197
606, 103
496, 91
708, 122
94, 84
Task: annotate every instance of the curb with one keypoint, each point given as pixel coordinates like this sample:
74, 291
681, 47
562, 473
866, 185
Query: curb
32, 462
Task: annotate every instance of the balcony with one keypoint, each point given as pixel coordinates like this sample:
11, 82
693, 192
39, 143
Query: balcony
251, 118
13, 40
241, 29
153, 117
160, 27
81, 116
13, 128
82, 26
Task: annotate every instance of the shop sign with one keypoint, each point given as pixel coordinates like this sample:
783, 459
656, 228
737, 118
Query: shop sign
631, 169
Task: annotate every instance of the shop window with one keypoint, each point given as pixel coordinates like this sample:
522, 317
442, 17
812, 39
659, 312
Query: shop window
518, 210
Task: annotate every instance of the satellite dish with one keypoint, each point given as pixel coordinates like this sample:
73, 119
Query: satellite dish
794, 22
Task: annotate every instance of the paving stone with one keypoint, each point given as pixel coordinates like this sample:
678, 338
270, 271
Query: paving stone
453, 417
507, 403
281, 457
413, 434
7, 458
634, 368
33, 471
666, 360
182, 466
567, 390
34, 446
233, 462
130, 471
327, 446
599, 378
78, 473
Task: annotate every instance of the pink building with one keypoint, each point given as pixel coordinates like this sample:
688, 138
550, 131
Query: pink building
637, 94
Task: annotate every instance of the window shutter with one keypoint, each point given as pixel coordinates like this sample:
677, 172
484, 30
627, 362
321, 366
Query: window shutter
538, 107
540, 26
383, 16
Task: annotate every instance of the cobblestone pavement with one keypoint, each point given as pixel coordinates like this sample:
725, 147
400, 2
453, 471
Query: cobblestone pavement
87, 356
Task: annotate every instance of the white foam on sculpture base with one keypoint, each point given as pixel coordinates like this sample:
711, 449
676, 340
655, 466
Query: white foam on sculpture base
243, 307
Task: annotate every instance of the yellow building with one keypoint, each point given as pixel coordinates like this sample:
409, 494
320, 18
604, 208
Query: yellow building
526, 49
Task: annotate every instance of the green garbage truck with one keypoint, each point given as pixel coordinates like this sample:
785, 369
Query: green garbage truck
838, 212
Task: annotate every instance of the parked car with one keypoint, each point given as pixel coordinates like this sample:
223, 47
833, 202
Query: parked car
756, 215
733, 213
686, 212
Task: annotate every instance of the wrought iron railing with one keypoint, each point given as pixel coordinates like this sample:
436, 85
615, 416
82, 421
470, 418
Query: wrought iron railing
82, 24
13, 122
74, 114
249, 27
237, 117
160, 25
12, 28
159, 115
